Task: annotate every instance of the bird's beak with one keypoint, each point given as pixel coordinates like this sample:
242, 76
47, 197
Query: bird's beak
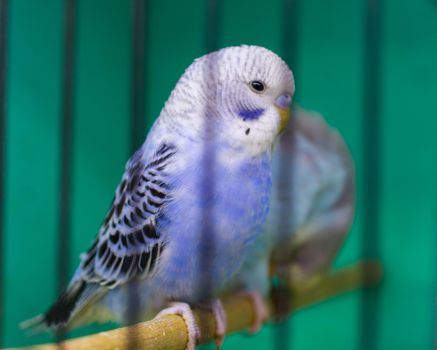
284, 116
283, 107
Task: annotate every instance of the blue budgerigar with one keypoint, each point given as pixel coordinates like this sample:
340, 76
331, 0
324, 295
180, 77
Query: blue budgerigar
312, 207
192, 199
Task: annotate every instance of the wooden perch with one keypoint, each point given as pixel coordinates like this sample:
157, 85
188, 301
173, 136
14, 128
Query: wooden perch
170, 332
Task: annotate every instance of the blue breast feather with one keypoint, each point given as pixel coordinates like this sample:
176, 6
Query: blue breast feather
238, 209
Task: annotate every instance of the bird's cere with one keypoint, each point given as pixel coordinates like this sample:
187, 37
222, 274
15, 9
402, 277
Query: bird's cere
284, 101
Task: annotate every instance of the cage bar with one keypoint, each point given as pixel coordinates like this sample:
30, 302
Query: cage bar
208, 160
371, 134
212, 25
3, 57
66, 146
290, 29
138, 126
283, 331
139, 62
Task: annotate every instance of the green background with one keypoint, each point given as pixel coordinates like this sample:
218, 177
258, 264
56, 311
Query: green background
330, 56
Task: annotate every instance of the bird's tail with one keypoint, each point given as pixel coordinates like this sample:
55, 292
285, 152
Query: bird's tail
70, 302
35, 325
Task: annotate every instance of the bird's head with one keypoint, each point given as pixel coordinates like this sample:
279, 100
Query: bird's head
239, 95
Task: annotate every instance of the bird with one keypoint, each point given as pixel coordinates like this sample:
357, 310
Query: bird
311, 211
192, 199
323, 187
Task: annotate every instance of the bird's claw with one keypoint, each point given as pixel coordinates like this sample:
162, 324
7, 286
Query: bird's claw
216, 307
220, 322
260, 308
184, 310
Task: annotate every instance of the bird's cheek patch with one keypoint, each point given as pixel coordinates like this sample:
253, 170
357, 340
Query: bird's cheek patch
250, 114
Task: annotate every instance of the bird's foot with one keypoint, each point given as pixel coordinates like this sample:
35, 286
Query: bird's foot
260, 307
184, 310
216, 307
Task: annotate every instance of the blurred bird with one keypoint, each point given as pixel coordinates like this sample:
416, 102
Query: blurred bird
312, 207
192, 199
320, 196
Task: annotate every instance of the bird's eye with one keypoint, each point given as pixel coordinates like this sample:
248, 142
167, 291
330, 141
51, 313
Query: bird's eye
257, 86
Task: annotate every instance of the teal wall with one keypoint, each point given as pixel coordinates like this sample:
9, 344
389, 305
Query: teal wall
329, 79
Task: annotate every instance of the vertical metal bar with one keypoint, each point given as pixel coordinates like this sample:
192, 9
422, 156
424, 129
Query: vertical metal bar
139, 61
209, 156
371, 129
66, 146
290, 33
3, 56
283, 331
434, 294
212, 25
285, 189
138, 122
207, 246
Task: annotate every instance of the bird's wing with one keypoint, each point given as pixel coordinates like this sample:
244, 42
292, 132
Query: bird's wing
129, 244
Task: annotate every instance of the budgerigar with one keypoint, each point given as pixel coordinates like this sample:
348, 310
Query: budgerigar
321, 197
199, 187
312, 206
